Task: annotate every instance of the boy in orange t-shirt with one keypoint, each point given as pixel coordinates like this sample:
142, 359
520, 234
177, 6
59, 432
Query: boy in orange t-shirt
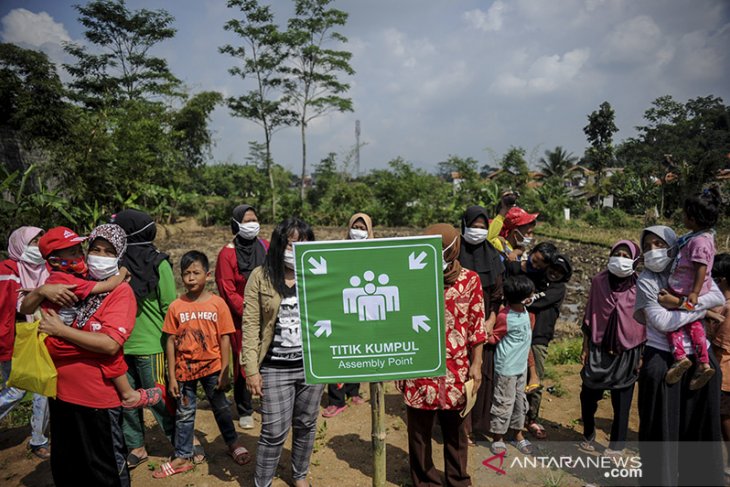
198, 325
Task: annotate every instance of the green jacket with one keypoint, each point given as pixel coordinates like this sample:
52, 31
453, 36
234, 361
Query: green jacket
260, 311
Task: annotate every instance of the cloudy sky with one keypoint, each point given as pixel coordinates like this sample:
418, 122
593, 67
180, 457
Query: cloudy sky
434, 78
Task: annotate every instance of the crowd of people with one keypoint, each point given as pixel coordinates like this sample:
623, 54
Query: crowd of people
122, 340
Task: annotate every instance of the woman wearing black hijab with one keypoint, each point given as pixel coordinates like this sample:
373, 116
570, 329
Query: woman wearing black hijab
234, 265
477, 254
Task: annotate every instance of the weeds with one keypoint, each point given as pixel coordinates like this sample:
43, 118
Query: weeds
566, 351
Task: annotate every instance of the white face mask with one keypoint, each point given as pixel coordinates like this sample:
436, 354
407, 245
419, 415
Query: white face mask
657, 260
475, 235
101, 268
620, 266
32, 255
289, 258
249, 230
357, 234
445, 264
526, 241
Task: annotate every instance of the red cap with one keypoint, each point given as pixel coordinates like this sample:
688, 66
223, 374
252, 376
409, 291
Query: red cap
58, 238
516, 217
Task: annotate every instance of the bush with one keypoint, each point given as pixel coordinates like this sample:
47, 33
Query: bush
566, 351
608, 217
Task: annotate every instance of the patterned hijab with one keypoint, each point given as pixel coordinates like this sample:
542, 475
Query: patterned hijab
115, 235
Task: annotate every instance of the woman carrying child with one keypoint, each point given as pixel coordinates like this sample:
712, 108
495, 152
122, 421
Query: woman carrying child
272, 358
612, 345
445, 397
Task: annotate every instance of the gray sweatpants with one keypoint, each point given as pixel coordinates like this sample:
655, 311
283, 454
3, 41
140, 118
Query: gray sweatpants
287, 402
509, 404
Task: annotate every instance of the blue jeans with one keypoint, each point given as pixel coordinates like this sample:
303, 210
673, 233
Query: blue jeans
11, 397
186, 406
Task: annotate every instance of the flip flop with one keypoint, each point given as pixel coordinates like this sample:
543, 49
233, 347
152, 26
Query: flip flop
198, 454
133, 461
537, 430
167, 470
523, 446
42, 451
240, 455
498, 447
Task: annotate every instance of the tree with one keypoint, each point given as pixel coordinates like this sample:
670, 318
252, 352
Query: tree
124, 69
314, 87
190, 127
556, 163
599, 132
517, 172
691, 140
263, 56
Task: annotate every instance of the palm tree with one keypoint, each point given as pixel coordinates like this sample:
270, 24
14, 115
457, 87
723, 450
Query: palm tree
557, 162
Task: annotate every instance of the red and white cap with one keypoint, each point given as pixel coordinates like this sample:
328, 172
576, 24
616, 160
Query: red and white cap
58, 238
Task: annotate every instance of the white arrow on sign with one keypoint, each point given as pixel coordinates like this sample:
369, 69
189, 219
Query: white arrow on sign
415, 263
318, 267
323, 326
420, 322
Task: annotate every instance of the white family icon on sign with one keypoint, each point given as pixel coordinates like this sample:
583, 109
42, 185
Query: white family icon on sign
370, 302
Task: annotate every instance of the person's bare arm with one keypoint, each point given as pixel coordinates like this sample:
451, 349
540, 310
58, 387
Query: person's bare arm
60, 294
108, 285
700, 274
223, 378
475, 367
172, 384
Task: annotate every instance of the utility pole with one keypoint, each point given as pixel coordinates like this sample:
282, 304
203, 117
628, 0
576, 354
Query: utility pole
357, 148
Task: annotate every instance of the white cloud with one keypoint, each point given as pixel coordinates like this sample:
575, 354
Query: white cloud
545, 75
638, 40
23, 27
488, 21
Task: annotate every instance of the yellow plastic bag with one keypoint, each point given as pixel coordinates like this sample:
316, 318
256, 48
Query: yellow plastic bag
32, 369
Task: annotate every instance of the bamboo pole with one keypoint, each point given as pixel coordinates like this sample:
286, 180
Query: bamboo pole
377, 402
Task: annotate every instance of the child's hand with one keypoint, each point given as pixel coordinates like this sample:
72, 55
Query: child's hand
714, 316
692, 298
224, 380
173, 388
668, 300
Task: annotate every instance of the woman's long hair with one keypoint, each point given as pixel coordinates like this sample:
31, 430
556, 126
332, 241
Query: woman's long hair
274, 262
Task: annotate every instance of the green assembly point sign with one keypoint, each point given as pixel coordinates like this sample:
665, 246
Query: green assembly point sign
371, 310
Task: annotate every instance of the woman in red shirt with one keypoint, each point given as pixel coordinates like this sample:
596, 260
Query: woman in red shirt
445, 397
234, 264
86, 416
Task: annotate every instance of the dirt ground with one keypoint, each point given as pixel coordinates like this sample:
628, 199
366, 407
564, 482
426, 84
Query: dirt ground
342, 454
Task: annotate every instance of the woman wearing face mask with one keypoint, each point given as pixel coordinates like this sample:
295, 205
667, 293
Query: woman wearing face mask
478, 255
87, 414
25, 269
679, 429
154, 289
612, 345
234, 265
272, 358
360, 227
464, 312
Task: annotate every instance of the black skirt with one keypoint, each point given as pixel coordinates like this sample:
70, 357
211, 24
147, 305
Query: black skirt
605, 370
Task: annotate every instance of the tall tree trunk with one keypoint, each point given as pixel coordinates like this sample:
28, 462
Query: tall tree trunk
377, 402
304, 162
270, 171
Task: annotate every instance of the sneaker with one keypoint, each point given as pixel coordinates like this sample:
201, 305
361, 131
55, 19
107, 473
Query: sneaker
700, 378
246, 422
332, 411
677, 370
357, 400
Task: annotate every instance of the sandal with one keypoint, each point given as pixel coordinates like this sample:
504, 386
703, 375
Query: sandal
198, 455
42, 451
701, 378
147, 398
533, 388
167, 470
588, 444
239, 454
498, 447
133, 461
524, 446
537, 430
